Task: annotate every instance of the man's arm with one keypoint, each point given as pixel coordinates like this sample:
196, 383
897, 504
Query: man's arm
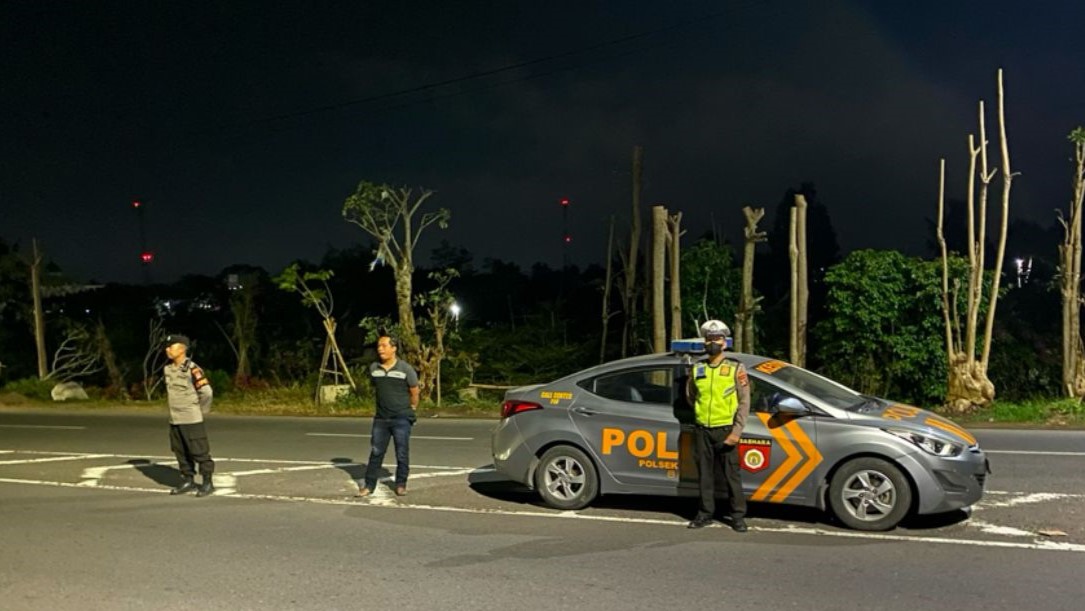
203, 389
415, 393
412, 386
743, 382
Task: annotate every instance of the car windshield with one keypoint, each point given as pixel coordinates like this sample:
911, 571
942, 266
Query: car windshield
833, 393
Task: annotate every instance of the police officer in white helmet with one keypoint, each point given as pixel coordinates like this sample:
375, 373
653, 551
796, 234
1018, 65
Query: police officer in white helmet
719, 391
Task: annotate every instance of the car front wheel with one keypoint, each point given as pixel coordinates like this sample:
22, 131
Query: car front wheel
566, 478
870, 494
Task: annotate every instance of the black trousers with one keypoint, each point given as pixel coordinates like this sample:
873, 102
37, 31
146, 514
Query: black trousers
717, 458
190, 446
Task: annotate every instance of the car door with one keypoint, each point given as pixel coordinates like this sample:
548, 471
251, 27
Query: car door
627, 419
778, 452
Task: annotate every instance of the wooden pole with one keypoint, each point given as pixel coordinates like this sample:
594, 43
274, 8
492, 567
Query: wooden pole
675, 233
793, 255
659, 250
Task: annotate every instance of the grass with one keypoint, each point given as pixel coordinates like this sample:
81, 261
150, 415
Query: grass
1053, 413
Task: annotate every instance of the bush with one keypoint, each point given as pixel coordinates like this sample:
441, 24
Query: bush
221, 382
31, 388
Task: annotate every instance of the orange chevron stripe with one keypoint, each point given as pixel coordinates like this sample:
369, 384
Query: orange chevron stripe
949, 427
793, 459
813, 459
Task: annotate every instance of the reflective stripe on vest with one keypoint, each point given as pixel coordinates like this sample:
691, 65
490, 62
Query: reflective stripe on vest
717, 393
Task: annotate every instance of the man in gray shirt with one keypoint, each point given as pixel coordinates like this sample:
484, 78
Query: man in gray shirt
189, 395
396, 386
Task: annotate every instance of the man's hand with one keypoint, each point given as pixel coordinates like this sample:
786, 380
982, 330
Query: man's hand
732, 439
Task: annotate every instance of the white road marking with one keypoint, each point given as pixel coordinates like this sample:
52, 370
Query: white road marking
1034, 452
279, 461
430, 437
42, 426
1028, 499
1039, 544
995, 529
25, 461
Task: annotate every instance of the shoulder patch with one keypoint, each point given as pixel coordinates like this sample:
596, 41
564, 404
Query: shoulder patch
741, 376
199, 380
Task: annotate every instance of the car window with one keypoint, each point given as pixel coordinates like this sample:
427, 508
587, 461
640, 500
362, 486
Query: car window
762, 394
638, 386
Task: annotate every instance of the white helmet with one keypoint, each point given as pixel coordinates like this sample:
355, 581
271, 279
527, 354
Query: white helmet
715, 328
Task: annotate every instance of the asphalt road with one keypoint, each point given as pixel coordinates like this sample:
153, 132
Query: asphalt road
85, 523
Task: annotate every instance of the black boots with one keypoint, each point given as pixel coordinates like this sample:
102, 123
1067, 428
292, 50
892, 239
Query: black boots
206, 488
187, 485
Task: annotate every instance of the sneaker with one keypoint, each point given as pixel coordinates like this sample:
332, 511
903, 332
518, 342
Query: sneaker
739, 525
401, 491
700, 521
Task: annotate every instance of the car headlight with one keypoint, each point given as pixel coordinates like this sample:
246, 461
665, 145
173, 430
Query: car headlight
931, 445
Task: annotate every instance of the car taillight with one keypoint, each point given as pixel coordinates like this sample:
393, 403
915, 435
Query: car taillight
511, 408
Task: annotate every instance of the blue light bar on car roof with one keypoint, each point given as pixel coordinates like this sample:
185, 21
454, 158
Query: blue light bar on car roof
694, 345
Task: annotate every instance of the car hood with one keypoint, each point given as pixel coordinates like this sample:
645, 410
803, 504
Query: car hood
925, 421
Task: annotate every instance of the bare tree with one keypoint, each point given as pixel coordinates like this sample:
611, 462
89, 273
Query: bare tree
674, 236
1073, 350
969, 388
109, 359
659, 252
607, 314
629, 289
391, 216
744, 333
77, 356
39, 316
154, 359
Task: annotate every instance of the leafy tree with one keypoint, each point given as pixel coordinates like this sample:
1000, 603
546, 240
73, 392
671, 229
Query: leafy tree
883, 333
711, 283
393, 216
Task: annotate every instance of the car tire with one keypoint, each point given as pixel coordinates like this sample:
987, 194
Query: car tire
566, 478
870, 494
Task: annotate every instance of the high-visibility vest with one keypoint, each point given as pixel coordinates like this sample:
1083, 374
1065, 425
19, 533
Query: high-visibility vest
717, 393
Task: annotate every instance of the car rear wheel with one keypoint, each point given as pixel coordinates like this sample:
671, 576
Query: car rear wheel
566, 478
870, 494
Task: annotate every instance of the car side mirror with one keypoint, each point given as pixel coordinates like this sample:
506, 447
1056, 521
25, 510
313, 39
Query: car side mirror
790, 405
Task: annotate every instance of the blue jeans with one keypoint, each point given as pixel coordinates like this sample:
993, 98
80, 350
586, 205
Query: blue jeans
398, 429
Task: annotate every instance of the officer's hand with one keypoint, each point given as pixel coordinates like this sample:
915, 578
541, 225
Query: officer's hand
732, 439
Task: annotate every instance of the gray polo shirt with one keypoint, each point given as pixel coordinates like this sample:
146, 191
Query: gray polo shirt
188, 392
393, 389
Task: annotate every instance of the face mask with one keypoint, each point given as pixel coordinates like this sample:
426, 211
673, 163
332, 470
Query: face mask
712, 348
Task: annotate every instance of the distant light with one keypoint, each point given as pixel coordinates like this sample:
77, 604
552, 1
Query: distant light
455, 309
565, 201
137, 204
146, 257
568, 239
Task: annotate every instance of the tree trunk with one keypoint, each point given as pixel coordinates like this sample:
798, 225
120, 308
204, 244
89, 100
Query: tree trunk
606, 293
675, 232
629, 299
39, 316
105, 348
804, 277
1073, 359
404, 272
793, 255
659, 251
744, 335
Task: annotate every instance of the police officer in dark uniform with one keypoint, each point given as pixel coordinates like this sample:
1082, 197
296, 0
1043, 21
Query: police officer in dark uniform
189, 394
719, 391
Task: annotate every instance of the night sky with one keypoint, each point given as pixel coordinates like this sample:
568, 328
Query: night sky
244, 126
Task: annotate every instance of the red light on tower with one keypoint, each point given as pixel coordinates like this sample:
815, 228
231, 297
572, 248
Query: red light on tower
568, 238
136, 203
565, 201
146, 257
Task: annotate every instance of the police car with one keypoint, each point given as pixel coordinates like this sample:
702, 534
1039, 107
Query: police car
625, 428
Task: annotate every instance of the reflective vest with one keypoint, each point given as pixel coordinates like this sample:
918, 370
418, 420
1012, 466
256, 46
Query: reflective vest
717, 393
